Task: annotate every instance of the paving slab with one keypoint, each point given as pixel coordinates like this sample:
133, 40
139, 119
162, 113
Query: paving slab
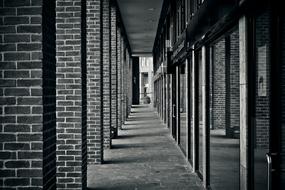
144, 156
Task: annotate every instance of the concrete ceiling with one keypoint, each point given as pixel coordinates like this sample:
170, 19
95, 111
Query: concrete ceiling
140, 18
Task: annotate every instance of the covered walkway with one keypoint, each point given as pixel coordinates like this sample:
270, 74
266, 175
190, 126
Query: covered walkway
143, 157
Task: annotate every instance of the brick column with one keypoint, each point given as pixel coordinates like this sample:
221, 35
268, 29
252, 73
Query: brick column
219, 85
106, 73
121, 81
234, 85
71, 95
125, 83
114, 91
27, 94
95, 128
119, 76
130, 85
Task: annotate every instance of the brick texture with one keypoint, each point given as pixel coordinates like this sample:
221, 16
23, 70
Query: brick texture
114, 94
125, 80
121, 80
225, 86
219, 85
71, 94
127, 84
125, 62
95, 127
119, 76
262, 102
232, 87
27, 78
106, 73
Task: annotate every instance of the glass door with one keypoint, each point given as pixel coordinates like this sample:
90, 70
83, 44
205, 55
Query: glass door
182, 108
225, 113
174, 113
262, 100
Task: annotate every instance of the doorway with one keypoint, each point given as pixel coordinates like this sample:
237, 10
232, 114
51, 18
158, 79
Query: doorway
225, 112
174, 112
261, 101
182, 108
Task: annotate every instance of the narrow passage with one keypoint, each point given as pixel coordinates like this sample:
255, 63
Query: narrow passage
143, 157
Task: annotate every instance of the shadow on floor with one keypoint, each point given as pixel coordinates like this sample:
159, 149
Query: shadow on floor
130, 186
143, 159
136, 145
121, 161
140, 125
151, 118
139, 135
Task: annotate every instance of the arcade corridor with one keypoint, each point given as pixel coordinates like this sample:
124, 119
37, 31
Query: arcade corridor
142, 94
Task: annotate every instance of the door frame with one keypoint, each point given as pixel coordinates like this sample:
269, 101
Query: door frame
197, 118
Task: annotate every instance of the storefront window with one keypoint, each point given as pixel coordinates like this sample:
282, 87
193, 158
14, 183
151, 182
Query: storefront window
262, 101
225, 113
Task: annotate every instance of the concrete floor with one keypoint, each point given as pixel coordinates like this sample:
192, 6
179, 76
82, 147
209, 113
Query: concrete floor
143, 157
225, 161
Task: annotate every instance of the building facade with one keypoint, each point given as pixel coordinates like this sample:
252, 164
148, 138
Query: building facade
218, 71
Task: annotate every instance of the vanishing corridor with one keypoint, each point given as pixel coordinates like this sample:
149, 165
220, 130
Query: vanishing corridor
144, 156
142, 95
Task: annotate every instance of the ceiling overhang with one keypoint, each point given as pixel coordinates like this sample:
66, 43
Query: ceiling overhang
140, 18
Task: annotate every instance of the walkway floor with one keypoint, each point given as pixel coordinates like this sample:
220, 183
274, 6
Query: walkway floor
143, 157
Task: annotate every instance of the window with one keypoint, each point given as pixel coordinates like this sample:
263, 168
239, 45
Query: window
182, 20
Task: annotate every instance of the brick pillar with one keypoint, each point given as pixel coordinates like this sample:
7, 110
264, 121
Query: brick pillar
123, 61
130, 85
227, 93
219, 85
125, 84
114, 91
95, 128
119, 76
234, 85
71, 95
27, 94
106, 73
